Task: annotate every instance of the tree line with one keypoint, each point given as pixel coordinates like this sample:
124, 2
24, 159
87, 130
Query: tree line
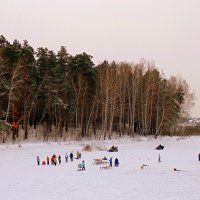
51, 95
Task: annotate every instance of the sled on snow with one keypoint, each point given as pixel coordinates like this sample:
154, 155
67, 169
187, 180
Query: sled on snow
160, 147
80, 167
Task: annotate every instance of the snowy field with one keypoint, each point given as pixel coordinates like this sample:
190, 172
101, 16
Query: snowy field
22, 179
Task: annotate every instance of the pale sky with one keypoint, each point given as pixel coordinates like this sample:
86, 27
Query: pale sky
164, 31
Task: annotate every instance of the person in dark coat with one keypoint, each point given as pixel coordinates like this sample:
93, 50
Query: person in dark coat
110, 161
199, 157
66, 157
59, 159
47, 160
71, 156
116, 162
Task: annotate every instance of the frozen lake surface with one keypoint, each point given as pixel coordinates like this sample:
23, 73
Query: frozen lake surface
22, 179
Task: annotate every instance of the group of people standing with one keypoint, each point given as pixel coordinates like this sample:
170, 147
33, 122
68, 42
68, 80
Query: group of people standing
116, 162
71, 156
53, 160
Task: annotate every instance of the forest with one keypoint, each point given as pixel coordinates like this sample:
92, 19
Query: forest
47, 95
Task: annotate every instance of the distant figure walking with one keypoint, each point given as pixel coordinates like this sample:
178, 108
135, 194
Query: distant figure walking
159, 158
83, 165
55, 160
71, 156
116, 162
47, 160
66, 157
38, 160
59, 159
199, 157
110, 161
52, 160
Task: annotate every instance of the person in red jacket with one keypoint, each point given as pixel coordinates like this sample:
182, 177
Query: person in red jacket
55, 160
52, 160
43, 162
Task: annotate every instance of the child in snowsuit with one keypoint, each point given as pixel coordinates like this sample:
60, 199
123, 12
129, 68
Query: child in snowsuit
43, 162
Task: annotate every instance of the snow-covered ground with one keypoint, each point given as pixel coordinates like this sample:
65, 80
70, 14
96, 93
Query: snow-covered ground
22, 179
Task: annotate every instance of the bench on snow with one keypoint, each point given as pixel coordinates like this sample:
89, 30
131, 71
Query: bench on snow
97, 161
105, 165
144, 166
